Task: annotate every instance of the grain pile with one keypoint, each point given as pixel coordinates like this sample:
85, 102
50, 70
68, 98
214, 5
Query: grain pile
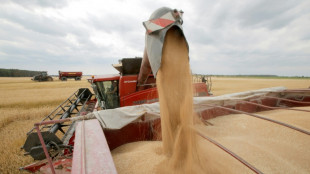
269, 147
138, 157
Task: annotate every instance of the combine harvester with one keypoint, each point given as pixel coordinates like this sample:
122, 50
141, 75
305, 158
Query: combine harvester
111, 91
77, 136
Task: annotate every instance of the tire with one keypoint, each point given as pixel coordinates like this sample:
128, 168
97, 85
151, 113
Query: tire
49, 79
63, 78
77, 78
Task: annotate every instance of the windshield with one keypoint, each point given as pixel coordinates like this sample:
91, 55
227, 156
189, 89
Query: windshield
107, 94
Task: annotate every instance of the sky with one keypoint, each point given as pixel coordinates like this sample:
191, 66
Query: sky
240, 37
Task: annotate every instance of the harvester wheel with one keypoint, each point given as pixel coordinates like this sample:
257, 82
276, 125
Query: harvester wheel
49, 79
78, 78
64, 79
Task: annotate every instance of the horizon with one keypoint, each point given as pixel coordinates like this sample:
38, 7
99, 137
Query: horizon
233, 75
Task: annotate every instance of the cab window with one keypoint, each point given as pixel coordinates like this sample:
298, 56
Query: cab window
107, 92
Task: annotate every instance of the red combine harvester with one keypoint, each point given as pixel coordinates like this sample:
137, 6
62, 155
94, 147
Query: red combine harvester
63, 76
111, 91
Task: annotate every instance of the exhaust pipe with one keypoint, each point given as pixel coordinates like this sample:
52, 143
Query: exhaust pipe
145, 69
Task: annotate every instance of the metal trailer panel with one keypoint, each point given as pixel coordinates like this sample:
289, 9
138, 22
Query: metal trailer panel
91, 151
71, 73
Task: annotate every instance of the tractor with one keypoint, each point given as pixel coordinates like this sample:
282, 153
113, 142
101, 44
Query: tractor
42, 76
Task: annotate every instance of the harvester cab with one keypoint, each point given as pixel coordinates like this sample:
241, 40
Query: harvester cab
107, 93
118, 90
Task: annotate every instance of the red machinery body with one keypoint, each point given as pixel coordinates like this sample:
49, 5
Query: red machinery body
128, 94
125, 89
63, 76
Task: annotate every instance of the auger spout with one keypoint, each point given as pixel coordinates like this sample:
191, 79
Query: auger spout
156, 28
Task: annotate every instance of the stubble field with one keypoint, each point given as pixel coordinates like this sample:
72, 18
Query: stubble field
24, 102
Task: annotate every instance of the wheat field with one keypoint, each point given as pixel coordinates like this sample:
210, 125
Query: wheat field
25, 102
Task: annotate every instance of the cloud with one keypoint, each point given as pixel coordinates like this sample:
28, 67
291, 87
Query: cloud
39, 3
271, 14
248, 37
225, 37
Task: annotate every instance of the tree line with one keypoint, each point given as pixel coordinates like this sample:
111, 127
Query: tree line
17, 73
